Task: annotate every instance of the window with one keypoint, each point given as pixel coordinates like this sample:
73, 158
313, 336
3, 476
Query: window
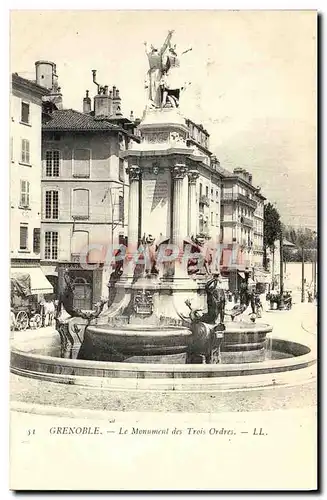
207, 191
211, 218
211, 193
23, 234
25, 151
121, 208
25, 112
121, 169
51, 245
52, 159
36, 240
51, 204
200, 189
12, 149
82, 160
24, 194
79, 242
80, 205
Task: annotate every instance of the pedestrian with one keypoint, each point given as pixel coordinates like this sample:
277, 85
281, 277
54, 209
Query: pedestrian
42, 310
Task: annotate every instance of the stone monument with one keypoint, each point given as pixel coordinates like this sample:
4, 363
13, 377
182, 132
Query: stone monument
151, 291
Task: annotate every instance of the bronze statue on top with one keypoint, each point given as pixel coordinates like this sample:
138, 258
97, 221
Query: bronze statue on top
164, 79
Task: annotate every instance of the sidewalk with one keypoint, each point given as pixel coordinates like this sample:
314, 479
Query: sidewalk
300, 323
31, 333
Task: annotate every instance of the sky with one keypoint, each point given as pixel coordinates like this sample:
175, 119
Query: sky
252, 73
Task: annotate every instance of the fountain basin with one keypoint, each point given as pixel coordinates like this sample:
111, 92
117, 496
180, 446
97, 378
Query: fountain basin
39, 358
243, 343
138, 343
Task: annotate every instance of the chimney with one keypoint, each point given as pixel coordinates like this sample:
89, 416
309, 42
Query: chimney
116, 102
131, 116
87, 103
102, 105
94, 75
102, 101
250, 178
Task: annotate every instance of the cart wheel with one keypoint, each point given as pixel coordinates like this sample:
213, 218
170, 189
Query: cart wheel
37, 320
22, 320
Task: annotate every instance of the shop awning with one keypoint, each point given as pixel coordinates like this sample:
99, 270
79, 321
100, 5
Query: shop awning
39, 283
241, 274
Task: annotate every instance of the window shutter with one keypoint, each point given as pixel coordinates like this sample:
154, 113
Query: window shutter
23, 237
24, 194
121, 208
80, 205
79, 242
25, 112
25, 151
36, 240
82, 159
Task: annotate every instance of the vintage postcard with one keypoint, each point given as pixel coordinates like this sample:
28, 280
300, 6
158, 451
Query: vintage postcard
163, 250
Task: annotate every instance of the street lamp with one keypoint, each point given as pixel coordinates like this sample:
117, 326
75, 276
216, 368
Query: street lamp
281, 269
302, 278
315, 266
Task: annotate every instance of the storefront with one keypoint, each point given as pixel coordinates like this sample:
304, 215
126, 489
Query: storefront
87, 284
262, 280
39, 284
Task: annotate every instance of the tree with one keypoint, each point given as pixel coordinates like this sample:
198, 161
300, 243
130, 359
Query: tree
272, 229
302, 238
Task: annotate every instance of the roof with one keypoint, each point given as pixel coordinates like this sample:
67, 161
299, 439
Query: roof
288, 243
71, 120
199, 126
32, 86
224, 171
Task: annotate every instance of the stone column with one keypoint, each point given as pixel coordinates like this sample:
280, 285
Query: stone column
180, 204
180, 216
133, 206
193, 175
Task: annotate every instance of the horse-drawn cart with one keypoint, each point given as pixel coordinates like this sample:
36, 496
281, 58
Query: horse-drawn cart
24, 305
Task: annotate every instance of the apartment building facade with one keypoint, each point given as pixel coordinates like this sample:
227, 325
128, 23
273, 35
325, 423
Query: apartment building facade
84, 193
25, 182
208, 184
242, 226
258, 225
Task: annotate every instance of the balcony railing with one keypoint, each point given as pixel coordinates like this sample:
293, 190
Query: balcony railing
204, 200
227, 197
247, 222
